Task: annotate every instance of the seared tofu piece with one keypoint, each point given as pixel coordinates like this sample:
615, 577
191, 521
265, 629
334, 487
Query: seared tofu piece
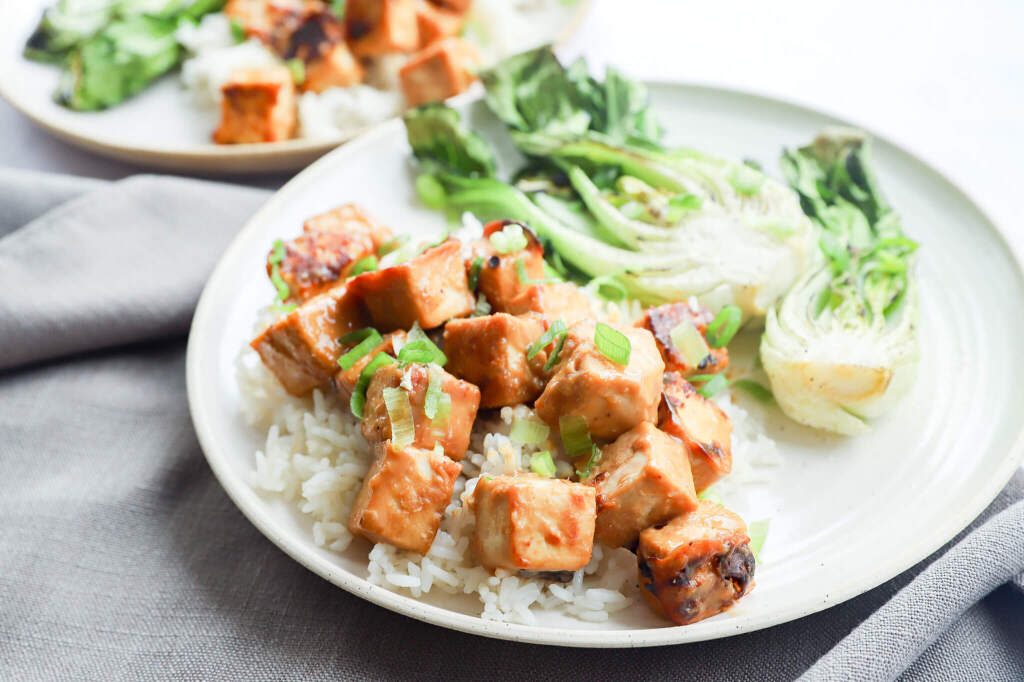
439, 71
403, 497
490, 351
377, 27
436, 23
255, 16
350, 219
337, 67
612, 398
429, 289
701, 425
499, 279
451, 433
554, 300
345, 380
306, 31
662, 319
258, 106
301, 349
642, 479
532, 523
697, 565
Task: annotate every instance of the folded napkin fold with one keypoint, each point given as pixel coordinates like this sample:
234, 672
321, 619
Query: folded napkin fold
122, 558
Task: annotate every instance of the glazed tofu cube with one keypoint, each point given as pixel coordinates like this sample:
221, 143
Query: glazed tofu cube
555, 301
337, 67
403, 497
316, 261
377, 27
701, 425
254, 16
307, 31
345, 380
439, 71
429, 289
642, 479
498, 278
452, 432
532, 523
436, 23
661, 320
490, 351
258, 106
612, 398
301, 349
697, 565
455, 5
350, 219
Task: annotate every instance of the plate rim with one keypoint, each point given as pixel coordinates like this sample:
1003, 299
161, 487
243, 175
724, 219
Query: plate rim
212, 157
243, 495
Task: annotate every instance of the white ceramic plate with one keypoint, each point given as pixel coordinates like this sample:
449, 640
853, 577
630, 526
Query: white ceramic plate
846, 514
162, 126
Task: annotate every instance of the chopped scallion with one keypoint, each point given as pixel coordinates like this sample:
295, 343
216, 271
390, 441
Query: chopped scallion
525, 279
392, 245
421, 350
758, 532
482, 307
725, 325
542, 464
474, 273
688, 340
592, 460
710, 495
365, 339
614, 344
509, 239
368, 264
237, 31
553, 358
432, 398
298, 69
529, 431
757, 391
358, 400
557, 327
575, 436
713, 383
403, 430
275, 259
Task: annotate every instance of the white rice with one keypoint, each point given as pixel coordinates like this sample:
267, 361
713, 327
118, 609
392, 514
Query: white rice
315, 457
344, 112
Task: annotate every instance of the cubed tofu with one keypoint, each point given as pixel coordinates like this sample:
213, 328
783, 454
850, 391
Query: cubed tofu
350, 219
439, 71
642, 479
451, 433
316, 261
436, 23
403, 497
429, 289
697, 565
306, 32
498, 278
378, 27
254, 16
337, 67
301, 349
662, 319
532, 523
554, 300
258, 106
345, 380
612, 398
490, 351
701, 425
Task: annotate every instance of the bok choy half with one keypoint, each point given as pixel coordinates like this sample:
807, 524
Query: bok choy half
841, 347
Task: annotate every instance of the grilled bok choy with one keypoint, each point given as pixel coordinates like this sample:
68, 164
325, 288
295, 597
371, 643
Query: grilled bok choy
612, 200
841, 347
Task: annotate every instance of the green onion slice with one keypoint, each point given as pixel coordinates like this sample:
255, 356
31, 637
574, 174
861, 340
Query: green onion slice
713, 383
432, 398
298, 69
403, 430
689, 342
553, 358
511, 238
393, 245
482, 307
237, 31
541, 463
614, 344
758, 531
557, 328
474, 273
275, 259
358, 400
575, 436
710, 495
365, 339
595, 457
368, 264
757, 391
529, 431
421, 349
725, 325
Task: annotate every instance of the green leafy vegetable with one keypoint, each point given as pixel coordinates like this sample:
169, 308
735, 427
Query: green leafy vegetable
529, 431
482, 307
403, 430
430, 191
841, 347
436, 135
757, 391
725, 325
358, 399
575, 435
542, 464
365, 339
368, 264
612, 343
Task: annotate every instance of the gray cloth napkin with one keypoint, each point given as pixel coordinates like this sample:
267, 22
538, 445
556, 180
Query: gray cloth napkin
122, 558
